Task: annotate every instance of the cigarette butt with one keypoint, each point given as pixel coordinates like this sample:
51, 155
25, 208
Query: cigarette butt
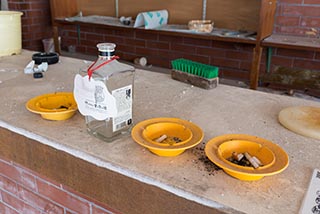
237, 156
246, 154
251, 160
161, 138
257, 160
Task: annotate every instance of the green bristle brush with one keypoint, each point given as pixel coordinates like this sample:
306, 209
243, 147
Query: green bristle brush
195, 68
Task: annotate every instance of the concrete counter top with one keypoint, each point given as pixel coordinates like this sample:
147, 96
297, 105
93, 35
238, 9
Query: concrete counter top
223, 110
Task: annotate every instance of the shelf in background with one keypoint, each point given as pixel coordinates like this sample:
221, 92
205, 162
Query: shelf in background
292, 42
248, 37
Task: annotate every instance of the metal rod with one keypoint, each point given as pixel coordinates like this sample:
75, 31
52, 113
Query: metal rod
269, 58
117, 8
204, 9
78, 33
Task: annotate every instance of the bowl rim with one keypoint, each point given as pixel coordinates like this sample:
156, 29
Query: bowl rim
281, 157
32, 104
137, 136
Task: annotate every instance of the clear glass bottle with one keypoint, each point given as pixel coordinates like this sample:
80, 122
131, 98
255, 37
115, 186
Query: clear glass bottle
119, 80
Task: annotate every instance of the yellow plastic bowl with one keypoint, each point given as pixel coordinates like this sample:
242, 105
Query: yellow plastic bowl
146, 131
265, 155
171, 130
272, 156
167, 153
55, 106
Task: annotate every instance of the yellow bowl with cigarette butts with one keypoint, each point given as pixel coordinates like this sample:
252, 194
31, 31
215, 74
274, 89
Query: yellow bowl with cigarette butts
273, 159
262, 153
54, 106
167, 136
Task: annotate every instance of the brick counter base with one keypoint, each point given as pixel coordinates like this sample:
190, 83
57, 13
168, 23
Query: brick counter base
25, 191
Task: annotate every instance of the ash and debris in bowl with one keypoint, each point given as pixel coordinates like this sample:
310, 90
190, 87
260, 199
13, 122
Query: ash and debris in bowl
202, 162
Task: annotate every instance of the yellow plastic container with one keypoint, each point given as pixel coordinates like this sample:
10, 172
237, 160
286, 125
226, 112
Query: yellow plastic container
145, 131
263, 153
10, 36
273, 158
54, 106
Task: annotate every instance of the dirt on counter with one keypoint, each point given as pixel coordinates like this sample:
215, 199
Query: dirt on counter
202, 162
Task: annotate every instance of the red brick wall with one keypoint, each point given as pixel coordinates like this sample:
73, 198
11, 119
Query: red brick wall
36, 22
296, 17
27, 192
296, 59
293, 17
233, 59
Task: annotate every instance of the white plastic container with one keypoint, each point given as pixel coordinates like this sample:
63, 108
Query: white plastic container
10, 33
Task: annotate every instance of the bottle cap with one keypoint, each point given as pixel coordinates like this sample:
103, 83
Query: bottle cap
106, 47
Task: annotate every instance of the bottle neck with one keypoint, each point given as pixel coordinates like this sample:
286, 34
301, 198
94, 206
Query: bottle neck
106, 54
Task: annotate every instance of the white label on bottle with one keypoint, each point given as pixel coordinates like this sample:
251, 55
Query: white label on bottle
93, 98
124, 105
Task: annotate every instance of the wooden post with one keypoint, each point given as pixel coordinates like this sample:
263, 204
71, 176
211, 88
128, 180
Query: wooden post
61, 9
255, 66
267, 11
56, 39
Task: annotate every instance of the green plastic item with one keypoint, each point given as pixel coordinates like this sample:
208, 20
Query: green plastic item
195, 68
